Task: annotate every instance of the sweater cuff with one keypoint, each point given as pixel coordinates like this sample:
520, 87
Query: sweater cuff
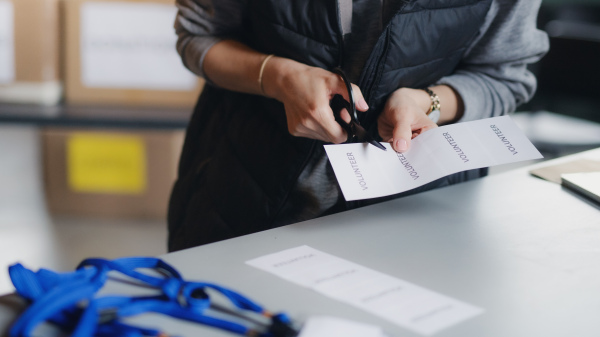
197, 50
471, 93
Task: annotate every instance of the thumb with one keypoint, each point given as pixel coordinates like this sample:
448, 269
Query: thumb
401, 137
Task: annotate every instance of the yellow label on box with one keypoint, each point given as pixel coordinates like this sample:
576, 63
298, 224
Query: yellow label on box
106, 163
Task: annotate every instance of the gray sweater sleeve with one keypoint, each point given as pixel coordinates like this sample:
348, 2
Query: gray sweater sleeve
200, 24
493, 78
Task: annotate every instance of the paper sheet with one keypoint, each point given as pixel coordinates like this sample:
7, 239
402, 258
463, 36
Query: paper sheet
7, 46
405, 304
364, 171
586, 183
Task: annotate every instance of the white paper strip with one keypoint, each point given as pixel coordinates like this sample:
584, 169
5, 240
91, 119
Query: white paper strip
403, 303
7, 43
364, 171
131, 46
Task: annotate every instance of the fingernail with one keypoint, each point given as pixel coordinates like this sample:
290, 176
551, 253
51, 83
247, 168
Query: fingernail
401, 145
363, 104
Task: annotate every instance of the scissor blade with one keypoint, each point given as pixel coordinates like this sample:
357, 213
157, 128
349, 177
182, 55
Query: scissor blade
377, 144
363, 136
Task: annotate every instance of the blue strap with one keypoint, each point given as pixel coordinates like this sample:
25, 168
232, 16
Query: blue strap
54, 301
71, 301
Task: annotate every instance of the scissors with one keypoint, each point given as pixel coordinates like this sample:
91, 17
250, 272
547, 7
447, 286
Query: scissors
356, 133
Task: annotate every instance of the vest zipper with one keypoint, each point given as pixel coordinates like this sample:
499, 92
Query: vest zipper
369, 85
340, 35
378, 67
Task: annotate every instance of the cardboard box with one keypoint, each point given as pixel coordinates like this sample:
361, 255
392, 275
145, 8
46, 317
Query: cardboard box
108, 173
122, 52
30, 52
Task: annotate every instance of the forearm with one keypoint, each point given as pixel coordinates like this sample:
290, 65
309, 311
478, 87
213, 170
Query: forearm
234, 66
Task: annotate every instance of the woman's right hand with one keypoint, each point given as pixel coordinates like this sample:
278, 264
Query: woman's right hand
305, 92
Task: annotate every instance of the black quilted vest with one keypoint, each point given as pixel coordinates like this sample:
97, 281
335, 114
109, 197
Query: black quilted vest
239, 163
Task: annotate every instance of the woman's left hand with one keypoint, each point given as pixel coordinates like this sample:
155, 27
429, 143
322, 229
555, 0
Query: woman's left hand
404, 117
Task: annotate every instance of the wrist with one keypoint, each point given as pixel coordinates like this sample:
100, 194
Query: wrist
434, 110
452, 105
420, 97
276, 76
261, 71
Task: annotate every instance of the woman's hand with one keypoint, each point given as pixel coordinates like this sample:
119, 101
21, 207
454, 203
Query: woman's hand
404, 117
305, 92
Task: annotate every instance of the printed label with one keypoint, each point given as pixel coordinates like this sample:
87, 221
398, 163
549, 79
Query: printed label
106, 163
131, 46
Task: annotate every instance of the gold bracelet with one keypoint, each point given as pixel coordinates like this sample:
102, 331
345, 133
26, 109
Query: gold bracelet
260, 73
434, 111
435, 101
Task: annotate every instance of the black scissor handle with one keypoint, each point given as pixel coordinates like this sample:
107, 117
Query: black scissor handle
338, 103
352, 103
355, 131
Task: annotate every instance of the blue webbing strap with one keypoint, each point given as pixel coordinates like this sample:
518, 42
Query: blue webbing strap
71, 301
